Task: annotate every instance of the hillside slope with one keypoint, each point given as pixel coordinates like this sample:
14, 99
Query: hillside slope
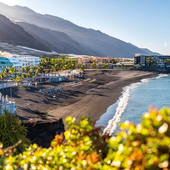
55, 40
14, 34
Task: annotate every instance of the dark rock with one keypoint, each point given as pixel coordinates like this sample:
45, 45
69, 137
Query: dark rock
43, 132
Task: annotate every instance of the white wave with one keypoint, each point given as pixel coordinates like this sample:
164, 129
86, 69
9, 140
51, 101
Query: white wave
145, 80
159, 76
162, 75
107, 120
112, 124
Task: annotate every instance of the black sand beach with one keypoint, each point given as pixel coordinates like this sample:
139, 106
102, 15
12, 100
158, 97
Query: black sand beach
90, 97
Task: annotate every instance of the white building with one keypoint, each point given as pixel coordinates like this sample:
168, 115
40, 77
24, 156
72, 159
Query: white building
4, 63
32, 60
18, 62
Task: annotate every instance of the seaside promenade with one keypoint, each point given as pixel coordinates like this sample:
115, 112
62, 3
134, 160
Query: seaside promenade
59, 76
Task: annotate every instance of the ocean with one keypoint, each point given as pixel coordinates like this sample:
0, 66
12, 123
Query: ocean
135, 100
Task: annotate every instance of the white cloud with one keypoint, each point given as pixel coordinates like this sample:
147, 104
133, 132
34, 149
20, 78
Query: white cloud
165, 44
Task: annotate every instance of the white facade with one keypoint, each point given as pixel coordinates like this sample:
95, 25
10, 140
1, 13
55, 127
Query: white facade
32, 60
18, 62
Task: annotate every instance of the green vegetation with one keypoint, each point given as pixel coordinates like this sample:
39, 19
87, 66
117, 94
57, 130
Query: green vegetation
93, 65
105, 66
47, 65
56, 64
11, 131
2, 76
145, 146
18, 75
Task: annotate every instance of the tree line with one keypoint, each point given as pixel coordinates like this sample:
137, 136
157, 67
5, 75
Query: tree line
47, 65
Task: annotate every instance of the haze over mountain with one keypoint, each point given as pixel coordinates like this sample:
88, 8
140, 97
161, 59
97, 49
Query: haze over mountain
94, 42
55, 40
14, 34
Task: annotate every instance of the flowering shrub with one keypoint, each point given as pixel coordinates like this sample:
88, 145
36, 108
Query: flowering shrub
142, 146
135, 147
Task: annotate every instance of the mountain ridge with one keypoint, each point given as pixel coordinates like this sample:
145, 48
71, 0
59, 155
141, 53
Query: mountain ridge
95, 42
14, 34
55, 40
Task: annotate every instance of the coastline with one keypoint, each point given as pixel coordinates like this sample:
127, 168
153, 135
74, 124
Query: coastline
90, 96
110, 119
98, 99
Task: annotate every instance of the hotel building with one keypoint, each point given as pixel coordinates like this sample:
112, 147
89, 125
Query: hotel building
4, 63
31, 60
18, 62
154, 62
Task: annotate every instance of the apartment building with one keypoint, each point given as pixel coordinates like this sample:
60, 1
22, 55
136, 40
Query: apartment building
4, 63
152, 61
31, 60
159, 63
18, 62
90, 59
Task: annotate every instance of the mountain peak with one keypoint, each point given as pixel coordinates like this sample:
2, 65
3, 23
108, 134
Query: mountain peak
23, 8
1, 3
14, 34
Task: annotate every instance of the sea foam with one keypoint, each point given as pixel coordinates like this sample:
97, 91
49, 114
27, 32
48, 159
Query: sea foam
162, 75
112, 116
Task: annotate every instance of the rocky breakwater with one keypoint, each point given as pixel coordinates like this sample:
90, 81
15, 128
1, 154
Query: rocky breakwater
43, 132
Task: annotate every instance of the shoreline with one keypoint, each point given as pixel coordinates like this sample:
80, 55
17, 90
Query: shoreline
89, 96
100, 98
110, 119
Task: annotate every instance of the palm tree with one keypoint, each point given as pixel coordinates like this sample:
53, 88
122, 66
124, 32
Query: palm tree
6, 71
27, 68
23, 76
93, 65
17, 79
14, 71
40, 70
47, 62
2, 77
33, 70
22, 70
36, 74
52, 69
29, 74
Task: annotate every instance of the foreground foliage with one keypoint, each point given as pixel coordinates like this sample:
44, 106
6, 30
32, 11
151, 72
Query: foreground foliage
135, 147
11, 131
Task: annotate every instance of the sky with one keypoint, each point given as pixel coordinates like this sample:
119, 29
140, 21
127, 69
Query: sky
144, 23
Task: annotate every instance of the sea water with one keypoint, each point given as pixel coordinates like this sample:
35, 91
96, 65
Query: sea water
135, 100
